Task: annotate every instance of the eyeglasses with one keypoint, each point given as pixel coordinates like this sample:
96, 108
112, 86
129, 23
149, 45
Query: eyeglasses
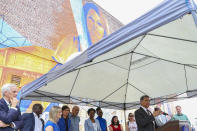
131, 116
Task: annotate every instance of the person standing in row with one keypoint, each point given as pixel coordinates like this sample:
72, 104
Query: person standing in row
131, 124
32, 121
180, 115
75, 119
64, 122
102, 122
92, 124
54, 115
10, 115
115, 125
160, 119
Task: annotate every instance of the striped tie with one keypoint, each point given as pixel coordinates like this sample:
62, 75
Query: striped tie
148, 112
9, 105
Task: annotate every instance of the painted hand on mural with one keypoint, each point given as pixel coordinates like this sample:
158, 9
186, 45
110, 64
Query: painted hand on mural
67, 46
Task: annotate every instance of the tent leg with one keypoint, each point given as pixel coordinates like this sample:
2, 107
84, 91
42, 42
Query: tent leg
125, 120
19, 104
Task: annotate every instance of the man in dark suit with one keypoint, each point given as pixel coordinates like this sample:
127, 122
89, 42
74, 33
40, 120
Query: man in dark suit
10, 115
32, 121
144, 118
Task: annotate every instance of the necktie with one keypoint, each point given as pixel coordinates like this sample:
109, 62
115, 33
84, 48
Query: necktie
9, 105
148, 112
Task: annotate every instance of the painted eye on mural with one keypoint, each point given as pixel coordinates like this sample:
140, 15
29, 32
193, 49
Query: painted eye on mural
91, 18
99, 23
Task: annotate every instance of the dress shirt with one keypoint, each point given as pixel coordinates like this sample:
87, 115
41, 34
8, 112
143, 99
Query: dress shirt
103, 123
9, 104
145, 109
38, 123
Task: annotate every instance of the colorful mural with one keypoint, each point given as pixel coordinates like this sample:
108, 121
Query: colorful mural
37, 37
20, 61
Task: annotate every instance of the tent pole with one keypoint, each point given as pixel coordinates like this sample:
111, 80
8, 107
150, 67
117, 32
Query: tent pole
19, 104
125, 116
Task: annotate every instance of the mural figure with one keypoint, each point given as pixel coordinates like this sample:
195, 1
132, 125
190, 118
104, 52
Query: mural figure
94, 23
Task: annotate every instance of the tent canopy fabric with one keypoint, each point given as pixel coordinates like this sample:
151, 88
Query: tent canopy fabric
155, 55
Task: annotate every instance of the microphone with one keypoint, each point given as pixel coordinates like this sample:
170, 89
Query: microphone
164, 113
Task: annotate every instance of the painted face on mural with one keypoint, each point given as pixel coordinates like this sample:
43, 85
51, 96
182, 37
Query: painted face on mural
95, 26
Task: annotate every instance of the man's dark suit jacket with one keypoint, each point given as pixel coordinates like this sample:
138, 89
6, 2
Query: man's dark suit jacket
144, 121
10, 115
29, 122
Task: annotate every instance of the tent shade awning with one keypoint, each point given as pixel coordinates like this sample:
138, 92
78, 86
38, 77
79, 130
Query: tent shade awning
154, 55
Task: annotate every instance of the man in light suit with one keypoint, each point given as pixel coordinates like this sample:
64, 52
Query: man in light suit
10, 115
144, 118
32, 121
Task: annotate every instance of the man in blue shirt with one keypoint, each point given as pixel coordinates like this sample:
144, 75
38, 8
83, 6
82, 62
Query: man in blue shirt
75, 119
102, 121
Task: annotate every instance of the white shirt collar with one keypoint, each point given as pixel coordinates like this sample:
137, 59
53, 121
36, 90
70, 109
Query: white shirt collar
35, 115
38, 123
145, 109
6, 101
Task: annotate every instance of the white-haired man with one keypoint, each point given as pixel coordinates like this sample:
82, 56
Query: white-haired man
10, 115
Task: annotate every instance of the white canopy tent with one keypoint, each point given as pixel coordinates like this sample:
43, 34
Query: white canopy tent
155, 55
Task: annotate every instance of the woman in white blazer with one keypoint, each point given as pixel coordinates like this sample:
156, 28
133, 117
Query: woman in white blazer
92, 124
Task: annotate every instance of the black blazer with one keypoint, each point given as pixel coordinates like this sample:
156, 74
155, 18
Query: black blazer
144, 121
29, 122
10, 115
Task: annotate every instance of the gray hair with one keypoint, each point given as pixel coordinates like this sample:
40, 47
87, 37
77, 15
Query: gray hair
178, 106
7, 87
